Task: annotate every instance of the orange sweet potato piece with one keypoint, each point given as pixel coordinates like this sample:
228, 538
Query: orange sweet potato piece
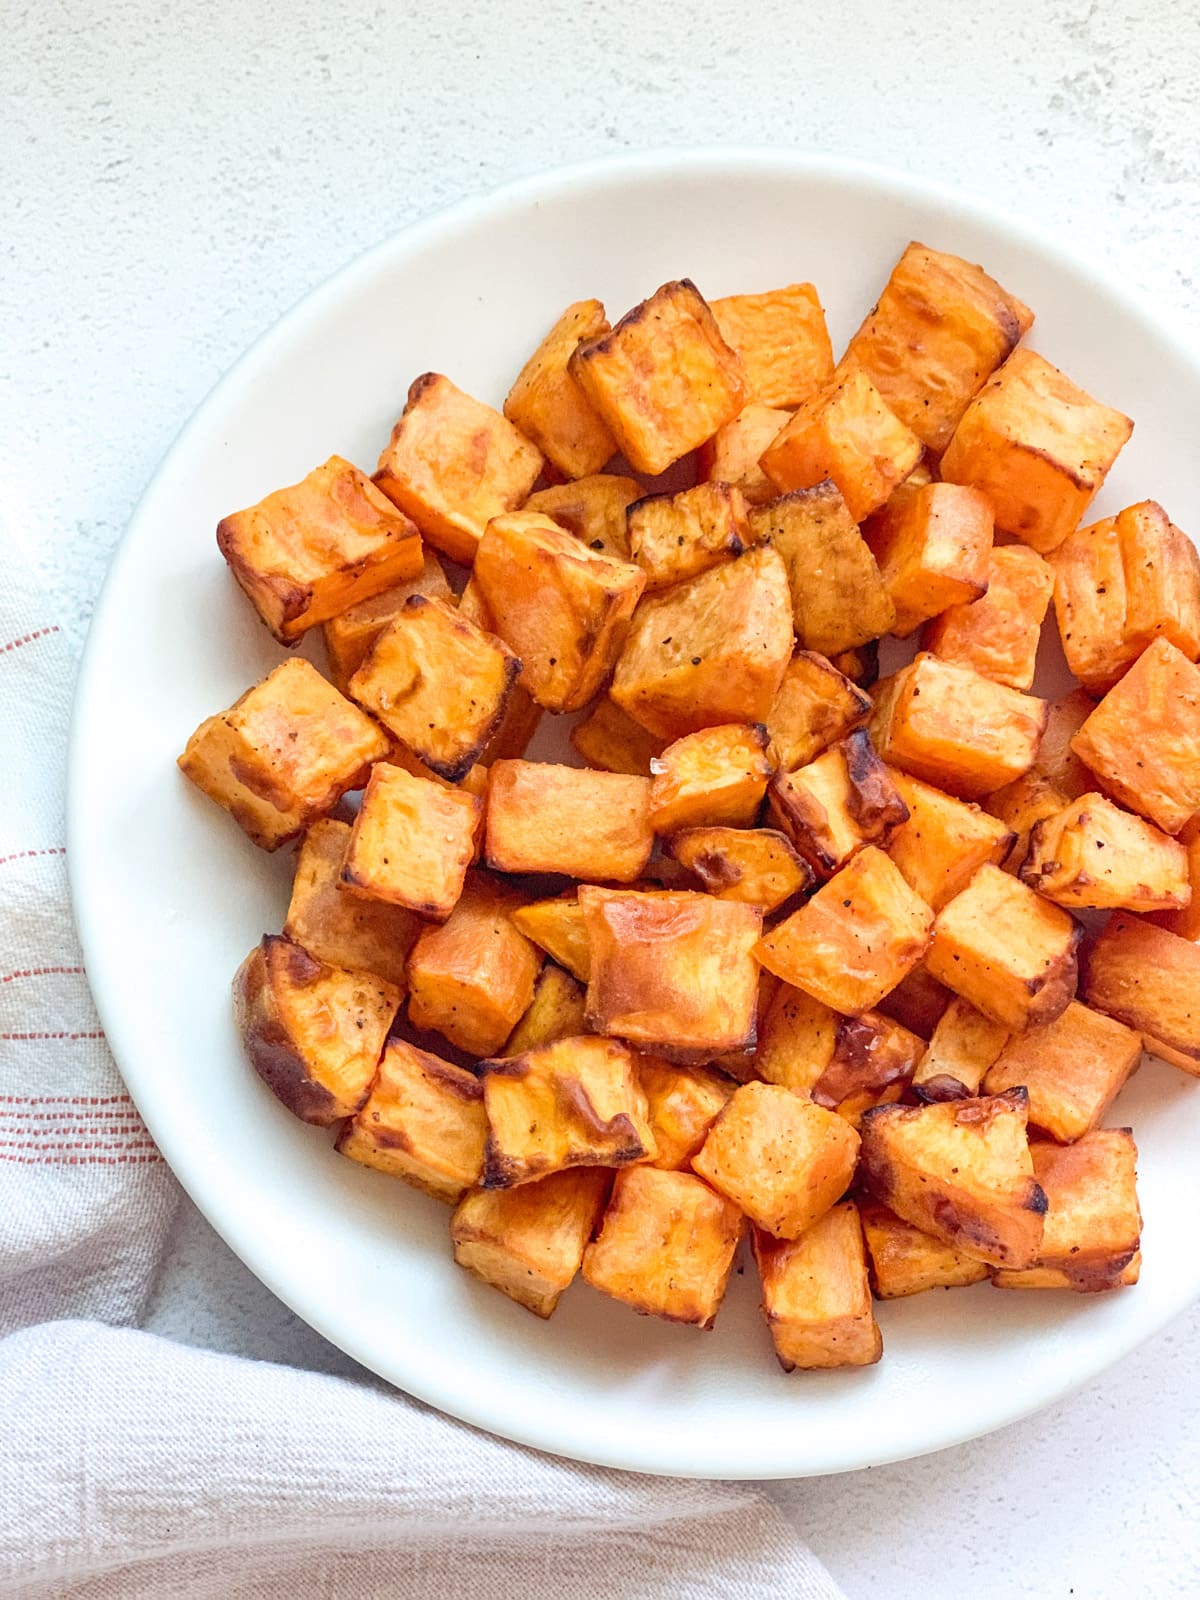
350, 635
1092, 855
814, 707
1149, 979
593, 509
732, 454
337, 926
906, 1261
610, 740
932, 545
412, 842
549, 407
672, 537
755, 865
718, 775
997, 635
944, 841
838, 803
1072, 1069
782, 339
816, 1296
547, 818
961, 1048
684, 1103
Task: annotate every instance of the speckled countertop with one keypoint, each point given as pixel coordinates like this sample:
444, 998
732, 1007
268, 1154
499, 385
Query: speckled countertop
177, 175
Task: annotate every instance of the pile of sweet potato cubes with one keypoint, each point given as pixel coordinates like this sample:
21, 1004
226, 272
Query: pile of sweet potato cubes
793, 948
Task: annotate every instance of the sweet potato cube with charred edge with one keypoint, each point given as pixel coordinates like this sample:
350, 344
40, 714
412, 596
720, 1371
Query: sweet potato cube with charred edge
845, 432
350, 635
1186, 923
439, 683
842, 1063
815, 707
839, 600
840, 802
284, 754
816, 1297
557, 926
311, 1031
308, 551
957, 730
854, 941
671, 971
860, 665
609, 740
684, 1103
549, 407
782, 339
998, 634
574, 1103
944, 842
672, 537
593, 509
341, 928
939, 330
423, 1122
663, 379
472, 979
905, 1261
718, 775
528, 1242
547, 818
555, 1012
1093, 1221
666, 1246
732, 454
1072, 1069
1056, 777
1118, 585
756, 866
1038, 446
1143, 739
1148, 979
710, 650
522, 714
782, 1159
1006, 950
453, 464
412, 842
960, 1171
961, 1048
1095, 856
931, 545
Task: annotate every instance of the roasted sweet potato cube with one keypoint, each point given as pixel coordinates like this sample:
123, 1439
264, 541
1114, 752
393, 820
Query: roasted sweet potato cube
905, 1261
1056, 777
961, 1048
842, 1063
1093, 855
918, 1001
838, 803
1038, 446
1093, 1221
954, 728
547, 818
549, 407
855, 939
593, 509
672, 537
312, 1032
1072, 1069
1148, 979
671, 971
1143, 740
412, 842
555, 1012
610, 740
717, 775
350, 635
782, 1159
666, 1246
839, 600
814, 707
663, 379
997, 635
754, 865
846, 432
453, 464
931, 544
860, 665
574, 1103
341, 928
284, 754
797, 1038
782, 339
528, 1242
557, 926
960, 1171
308, 551
710, 650
472, 979
684, 1103
522, 714
439, 683
423, 1122
815, 1294
939, 329
732, 454
944, 842
1186, 922
1162, 579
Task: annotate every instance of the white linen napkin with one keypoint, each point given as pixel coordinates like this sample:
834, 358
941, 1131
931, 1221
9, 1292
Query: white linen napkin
131, 1466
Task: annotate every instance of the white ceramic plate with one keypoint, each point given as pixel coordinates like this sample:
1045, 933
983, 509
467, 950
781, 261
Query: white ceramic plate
170, 896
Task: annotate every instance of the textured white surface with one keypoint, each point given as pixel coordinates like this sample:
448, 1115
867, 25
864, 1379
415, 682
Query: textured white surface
176, 176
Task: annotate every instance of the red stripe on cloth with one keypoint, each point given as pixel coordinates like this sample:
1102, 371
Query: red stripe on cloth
87, 1113
66, 1100
24, 1038
93, 1160
78, 1144
40, 972
25, 855
28, 638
